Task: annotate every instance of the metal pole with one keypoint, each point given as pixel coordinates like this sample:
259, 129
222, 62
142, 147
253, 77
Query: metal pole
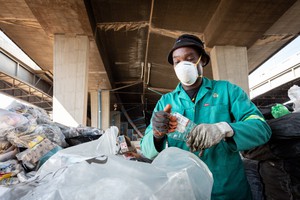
99, 110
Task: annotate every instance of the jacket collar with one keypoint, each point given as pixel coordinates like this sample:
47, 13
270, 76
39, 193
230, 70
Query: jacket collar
204, 88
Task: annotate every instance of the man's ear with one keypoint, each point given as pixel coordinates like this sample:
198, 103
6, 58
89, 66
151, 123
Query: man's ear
200, 68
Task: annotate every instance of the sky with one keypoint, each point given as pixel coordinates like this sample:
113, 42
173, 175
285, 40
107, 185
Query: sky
6, 101
275, 62
7, 44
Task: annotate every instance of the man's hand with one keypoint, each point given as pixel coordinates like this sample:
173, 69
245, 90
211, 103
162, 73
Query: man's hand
163, 122
206, 135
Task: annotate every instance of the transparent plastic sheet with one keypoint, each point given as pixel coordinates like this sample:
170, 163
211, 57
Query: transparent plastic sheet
174, 174
105, 145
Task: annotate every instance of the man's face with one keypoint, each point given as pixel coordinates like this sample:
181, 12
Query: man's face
185, 54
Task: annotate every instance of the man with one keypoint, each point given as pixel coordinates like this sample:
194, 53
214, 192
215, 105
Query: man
227, 121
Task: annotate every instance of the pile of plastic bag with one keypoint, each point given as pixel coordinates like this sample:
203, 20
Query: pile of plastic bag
274, 167
92, 170
28, 137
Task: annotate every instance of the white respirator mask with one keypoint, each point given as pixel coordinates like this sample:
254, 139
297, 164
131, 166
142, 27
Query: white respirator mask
187, 72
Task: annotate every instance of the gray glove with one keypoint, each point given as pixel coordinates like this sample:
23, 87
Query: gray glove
160, 123
206, 135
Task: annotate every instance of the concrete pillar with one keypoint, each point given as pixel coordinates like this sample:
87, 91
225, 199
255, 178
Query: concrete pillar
105, 109
230, 63
94, 109
70, 83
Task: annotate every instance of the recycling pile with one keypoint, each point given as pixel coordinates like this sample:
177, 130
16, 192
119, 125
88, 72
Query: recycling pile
274, 167
28, 137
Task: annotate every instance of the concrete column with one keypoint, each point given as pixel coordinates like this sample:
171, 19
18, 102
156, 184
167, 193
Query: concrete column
94, 109
70, 83
105, 109
230, 63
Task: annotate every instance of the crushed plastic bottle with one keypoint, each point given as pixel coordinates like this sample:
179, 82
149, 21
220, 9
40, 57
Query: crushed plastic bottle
279, 110
183, 128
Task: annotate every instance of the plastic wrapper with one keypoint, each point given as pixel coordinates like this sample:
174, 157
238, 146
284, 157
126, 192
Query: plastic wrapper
20, 139
72, 132
89, 131
68, 132
45, 157
9, 181
81, 139
17, 107
184, 127
24, 110
294, 95
33, 155
11, 166
52, 132
35, 114
8, 154
4, 145
11, 121
174, 174
22, 176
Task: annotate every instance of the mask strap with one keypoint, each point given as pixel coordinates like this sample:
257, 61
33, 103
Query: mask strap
198, 60
197, 64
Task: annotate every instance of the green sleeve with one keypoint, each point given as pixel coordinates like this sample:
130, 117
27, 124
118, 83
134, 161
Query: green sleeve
250, 127
147, 143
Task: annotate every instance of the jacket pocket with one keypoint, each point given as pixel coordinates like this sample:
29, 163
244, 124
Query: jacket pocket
215, 113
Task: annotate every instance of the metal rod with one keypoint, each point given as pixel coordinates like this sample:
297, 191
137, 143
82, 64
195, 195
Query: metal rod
155, 91
99, 110
149, 71
131, 122
142, 70
119, 88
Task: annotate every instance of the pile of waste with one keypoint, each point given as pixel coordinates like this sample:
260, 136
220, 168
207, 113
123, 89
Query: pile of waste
95, 170
41, 159
28, 137
274, 167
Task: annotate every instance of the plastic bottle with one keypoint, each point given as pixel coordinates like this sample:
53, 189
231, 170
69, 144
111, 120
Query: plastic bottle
279, 110
183, 128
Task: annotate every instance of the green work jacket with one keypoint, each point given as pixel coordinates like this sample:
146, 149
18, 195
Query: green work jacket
217, 101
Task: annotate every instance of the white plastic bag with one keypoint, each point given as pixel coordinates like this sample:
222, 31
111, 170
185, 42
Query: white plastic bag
105, 145
177, 174
294, 95
84, 172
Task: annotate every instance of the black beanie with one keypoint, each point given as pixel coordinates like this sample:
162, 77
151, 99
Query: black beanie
187, 40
